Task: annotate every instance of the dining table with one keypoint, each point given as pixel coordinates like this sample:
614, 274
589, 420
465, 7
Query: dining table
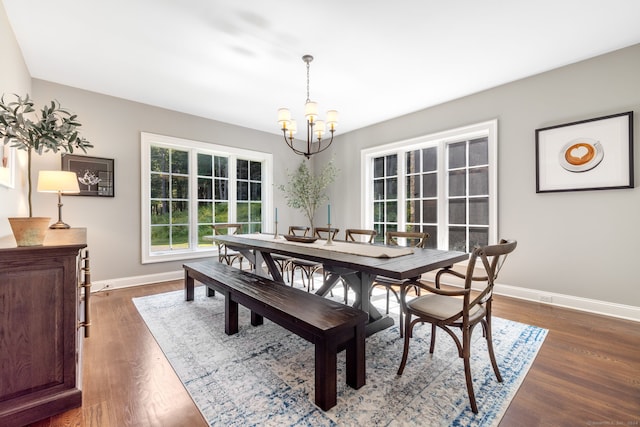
357, 264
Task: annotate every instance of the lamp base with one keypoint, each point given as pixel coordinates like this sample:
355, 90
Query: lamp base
59, 225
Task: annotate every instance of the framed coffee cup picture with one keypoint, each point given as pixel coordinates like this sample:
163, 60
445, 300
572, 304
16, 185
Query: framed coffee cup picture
593, 154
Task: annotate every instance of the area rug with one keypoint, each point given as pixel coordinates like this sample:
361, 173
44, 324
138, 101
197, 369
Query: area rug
264, 376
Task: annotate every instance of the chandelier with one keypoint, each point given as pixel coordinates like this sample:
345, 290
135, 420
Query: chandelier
315, 128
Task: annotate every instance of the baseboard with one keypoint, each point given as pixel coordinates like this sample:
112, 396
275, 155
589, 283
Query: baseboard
605, 308
126, 282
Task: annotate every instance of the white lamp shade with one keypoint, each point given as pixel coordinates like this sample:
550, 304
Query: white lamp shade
58, 181
293, 128
311, 111
319, 128
284, 118
332, 119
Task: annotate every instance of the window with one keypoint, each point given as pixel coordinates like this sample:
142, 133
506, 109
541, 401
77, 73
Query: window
187, 186
443, 184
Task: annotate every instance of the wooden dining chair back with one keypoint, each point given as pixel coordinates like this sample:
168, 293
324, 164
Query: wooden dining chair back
323, 232
392, 286
458, 308
226, 255
284, 261
407, 238
360, 235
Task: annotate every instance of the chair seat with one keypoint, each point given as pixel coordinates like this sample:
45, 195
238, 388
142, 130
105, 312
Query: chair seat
443, 307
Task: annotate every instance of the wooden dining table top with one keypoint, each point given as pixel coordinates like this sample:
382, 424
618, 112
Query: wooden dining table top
409, 265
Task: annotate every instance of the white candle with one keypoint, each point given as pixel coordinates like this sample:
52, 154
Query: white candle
329, 214
276, 214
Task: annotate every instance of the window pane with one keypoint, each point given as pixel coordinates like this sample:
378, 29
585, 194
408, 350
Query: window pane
180, 187
243, 212
378, 212
380, 230
413, 186
256, 212
256, 171
159, 186
179, 212
179, 161
392, 188
457, 183
242, 169
479, 211
255, 228
432, 241
222, 212
221, 189
204, 188
479, 152
378, 189
205, 212
413, 211
457, 239
243, 190
180, 237
159, 238
458, 211
478, 181
378, 167
256, 191
430, 211
159, 212
204, 231
159, 159
205, 168
220, 167
430, 185
478, 236
430, 159
457, 155
392, 165
392, 211
413, 161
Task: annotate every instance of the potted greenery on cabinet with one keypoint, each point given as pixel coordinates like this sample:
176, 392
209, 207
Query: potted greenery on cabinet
54, 129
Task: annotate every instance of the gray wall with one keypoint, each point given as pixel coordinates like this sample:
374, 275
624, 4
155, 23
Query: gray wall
583, 244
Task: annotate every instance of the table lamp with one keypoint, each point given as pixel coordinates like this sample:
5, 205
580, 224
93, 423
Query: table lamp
58, 182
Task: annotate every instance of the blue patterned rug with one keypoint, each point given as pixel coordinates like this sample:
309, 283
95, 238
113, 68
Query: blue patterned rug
264, 375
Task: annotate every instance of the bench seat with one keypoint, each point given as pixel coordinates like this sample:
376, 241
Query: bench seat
329, 325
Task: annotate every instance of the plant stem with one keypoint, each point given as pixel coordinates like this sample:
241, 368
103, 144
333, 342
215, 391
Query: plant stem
29, 179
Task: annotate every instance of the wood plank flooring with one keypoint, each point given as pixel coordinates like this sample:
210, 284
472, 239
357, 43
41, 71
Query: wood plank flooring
586, 373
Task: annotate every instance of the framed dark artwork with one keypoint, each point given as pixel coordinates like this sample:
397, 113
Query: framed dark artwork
95, 174
593, 154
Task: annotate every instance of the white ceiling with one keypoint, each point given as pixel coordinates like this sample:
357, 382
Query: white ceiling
239, 61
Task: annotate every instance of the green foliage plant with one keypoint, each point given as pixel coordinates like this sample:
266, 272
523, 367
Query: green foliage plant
307, 192
55, 129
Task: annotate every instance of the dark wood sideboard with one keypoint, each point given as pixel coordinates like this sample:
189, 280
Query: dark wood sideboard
40, 341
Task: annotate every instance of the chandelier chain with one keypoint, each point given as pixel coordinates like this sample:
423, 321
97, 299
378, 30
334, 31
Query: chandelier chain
308, 99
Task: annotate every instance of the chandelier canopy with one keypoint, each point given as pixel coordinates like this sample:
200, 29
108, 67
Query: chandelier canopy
315, 128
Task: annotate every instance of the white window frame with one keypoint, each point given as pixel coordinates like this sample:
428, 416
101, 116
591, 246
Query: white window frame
487, 129
193, 147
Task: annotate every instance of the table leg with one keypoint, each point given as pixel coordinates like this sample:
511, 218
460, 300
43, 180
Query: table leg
188, 286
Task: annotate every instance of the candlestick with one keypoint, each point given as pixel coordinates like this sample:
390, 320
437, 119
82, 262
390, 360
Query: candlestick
330, 238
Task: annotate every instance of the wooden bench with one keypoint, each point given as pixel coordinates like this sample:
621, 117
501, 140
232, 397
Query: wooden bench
329, 325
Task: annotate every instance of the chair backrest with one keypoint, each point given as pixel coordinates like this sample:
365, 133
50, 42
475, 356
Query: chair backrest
323, 232
351, 234
492, 258
226, 228
411, 238
298, 230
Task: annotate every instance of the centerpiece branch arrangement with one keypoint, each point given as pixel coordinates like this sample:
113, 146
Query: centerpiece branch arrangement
307, 192
54, 129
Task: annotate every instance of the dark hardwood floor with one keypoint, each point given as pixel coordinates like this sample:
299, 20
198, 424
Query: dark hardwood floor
587, 373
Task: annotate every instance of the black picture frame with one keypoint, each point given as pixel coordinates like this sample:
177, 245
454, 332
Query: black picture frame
95, 174
592, 154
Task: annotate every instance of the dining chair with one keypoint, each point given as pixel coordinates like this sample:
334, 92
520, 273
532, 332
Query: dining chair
284, 261
459, 308
309, 268
399, 238
225, 254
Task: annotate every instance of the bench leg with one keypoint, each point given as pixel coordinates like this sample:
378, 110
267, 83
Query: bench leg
256, 319
188, 286
230, 315
356, 368
325, 375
